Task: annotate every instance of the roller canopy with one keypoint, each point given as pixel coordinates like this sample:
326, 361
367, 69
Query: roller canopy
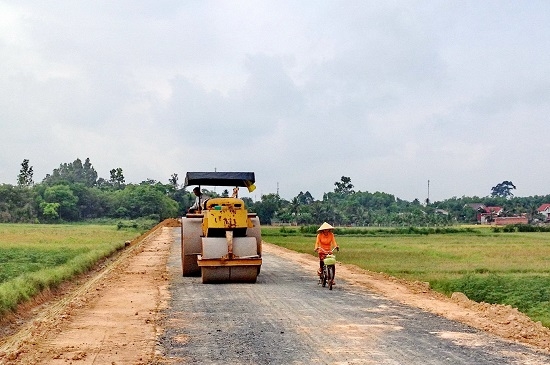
245, 179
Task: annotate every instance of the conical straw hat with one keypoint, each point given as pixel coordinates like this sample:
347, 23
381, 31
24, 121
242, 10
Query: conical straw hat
324, 226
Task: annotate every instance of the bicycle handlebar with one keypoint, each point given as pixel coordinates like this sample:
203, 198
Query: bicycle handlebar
321, 250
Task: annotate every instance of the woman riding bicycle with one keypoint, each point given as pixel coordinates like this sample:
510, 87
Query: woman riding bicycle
325, 243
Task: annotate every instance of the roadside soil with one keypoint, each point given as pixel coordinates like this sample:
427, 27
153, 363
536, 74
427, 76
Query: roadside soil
113, 316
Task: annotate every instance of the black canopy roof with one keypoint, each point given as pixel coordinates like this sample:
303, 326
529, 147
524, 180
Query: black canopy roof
220, 178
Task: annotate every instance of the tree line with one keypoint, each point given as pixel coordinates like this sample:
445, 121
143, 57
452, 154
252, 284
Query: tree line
74, 192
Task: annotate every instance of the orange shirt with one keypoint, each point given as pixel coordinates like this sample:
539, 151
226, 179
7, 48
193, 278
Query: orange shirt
325, 241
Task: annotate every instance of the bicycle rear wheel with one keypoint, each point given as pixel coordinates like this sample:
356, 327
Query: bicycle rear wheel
330, 275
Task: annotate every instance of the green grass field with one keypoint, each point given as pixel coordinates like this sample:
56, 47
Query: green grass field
504, 268
37, 257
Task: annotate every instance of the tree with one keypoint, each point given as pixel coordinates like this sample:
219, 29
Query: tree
305, 198
295, 206
143, 201
173, 181
326, 212
25, 174
267, 207
89, 174
50, 210
16, 204
503, 190
64, 196
73, 172
92, 202
344, 186
117, 178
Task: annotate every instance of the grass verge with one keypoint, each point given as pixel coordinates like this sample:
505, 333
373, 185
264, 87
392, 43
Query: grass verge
38, 257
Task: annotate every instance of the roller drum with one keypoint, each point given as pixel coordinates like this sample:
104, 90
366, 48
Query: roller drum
229, 274
191, 231
256, 232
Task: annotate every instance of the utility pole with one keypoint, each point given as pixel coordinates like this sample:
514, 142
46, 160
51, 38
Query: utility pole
277, 188
428, 200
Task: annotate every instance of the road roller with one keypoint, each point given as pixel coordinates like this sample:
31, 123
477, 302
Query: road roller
220, 240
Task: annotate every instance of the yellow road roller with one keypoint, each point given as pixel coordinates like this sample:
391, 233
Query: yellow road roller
221, 241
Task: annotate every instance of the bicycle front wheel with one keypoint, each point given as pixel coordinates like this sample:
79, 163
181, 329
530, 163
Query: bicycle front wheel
330, 275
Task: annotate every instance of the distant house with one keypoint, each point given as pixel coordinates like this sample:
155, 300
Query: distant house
486, 215
490, 214
544, 210
494, 210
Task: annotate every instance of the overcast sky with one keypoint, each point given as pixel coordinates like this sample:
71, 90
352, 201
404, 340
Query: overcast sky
389, 93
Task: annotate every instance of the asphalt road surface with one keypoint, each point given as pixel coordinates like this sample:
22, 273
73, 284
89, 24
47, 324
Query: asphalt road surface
287, 318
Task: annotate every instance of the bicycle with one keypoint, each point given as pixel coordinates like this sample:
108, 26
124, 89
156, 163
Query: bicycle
328, 270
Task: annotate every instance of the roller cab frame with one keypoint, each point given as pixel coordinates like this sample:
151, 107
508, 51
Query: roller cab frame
221, 243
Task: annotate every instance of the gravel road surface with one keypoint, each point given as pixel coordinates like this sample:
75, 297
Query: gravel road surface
287, 318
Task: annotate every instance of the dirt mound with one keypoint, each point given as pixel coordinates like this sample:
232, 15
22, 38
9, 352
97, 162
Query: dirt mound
170, 222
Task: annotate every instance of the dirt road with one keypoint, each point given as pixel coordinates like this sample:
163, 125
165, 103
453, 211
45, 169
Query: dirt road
140, 310
286, 318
